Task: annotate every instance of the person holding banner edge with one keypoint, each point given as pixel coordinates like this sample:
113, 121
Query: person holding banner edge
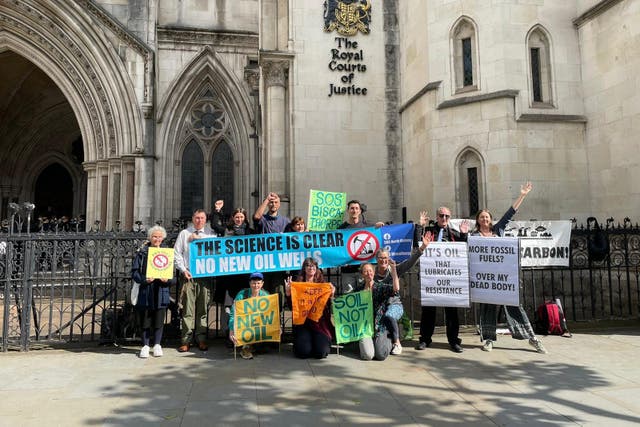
383, 272
153, 295
194, 295
355, 217
384, 323
256, 281
311, 339
517, 319
442, 233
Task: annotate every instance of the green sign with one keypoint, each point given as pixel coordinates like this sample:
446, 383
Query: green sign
326, 210
353, 316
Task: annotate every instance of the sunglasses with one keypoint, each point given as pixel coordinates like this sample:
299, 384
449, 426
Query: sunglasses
444, 216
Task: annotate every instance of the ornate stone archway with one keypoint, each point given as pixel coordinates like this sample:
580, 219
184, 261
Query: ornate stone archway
69, 41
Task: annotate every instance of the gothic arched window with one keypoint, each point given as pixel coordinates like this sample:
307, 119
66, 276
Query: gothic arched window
538, 48
222, 175
470, 182
192, 189
464, 45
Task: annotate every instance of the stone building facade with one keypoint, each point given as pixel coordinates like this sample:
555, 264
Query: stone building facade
142, 110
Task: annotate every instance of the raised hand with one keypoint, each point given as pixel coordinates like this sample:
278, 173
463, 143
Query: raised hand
427, 238
424, 218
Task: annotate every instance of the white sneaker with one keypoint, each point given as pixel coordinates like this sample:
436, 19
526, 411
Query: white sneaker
144, 352
535, 343
488, 345
396, 349
157, 350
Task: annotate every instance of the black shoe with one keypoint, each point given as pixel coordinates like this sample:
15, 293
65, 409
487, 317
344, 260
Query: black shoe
422, 345
456, 348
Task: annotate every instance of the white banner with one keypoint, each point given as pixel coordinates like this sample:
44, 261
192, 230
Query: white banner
542, 243
444, 275
494, 270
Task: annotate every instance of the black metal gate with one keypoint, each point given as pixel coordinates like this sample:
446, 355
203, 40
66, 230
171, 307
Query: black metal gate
73, 287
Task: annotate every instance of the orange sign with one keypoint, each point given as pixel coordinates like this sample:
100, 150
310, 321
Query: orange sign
309, 300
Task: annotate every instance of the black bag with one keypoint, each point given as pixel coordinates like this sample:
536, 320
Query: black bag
598, 244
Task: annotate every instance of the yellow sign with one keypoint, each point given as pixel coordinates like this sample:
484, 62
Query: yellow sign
257, 319
160, 263
309, 300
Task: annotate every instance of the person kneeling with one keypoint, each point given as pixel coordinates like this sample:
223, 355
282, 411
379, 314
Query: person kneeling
386, 339
256, 281
311, 339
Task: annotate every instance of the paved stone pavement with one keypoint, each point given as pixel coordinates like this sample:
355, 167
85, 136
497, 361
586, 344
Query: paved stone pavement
592, 379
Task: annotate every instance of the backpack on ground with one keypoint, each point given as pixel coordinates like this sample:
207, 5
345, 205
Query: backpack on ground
550, 319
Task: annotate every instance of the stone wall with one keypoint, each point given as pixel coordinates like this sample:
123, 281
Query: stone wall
514, 141
339, 141
610, 50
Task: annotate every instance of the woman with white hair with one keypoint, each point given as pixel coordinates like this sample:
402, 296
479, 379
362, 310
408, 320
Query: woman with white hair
153, 294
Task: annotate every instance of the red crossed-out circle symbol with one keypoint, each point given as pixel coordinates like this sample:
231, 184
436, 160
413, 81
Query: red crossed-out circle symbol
160, 261
363, 245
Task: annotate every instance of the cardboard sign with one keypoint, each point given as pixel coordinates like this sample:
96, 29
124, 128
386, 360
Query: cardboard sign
160, 263
353, 316
444, 275
309, 300
257, 319
494, 270
326, 210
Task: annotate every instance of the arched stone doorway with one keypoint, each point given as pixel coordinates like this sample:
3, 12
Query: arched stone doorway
54, 192
38, 127
95, 98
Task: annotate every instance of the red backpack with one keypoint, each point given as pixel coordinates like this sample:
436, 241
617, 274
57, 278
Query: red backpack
548, 319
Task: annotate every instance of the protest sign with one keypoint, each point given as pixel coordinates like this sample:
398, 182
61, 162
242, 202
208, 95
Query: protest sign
444, 275
280, 252
398, 240
353, 316
308, 300
326, 210
494, 270
542, 243
160, 263
257, 319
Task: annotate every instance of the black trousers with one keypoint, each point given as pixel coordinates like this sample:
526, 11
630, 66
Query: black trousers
428, 324
308, 343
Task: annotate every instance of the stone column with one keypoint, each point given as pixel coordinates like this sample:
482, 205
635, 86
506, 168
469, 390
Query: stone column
92, 200
275, 159
254, 180
144, 179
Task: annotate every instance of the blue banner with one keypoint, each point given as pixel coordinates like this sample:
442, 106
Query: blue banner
398, 240
219, 256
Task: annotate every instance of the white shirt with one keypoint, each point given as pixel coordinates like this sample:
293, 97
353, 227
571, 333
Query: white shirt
181, 248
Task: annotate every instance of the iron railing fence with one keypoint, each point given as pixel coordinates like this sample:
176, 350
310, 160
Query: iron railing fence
72, 287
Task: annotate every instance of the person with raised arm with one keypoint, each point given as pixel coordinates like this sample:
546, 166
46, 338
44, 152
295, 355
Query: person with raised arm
517, 319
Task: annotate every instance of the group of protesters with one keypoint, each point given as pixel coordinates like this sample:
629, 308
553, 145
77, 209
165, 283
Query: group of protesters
312, 338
